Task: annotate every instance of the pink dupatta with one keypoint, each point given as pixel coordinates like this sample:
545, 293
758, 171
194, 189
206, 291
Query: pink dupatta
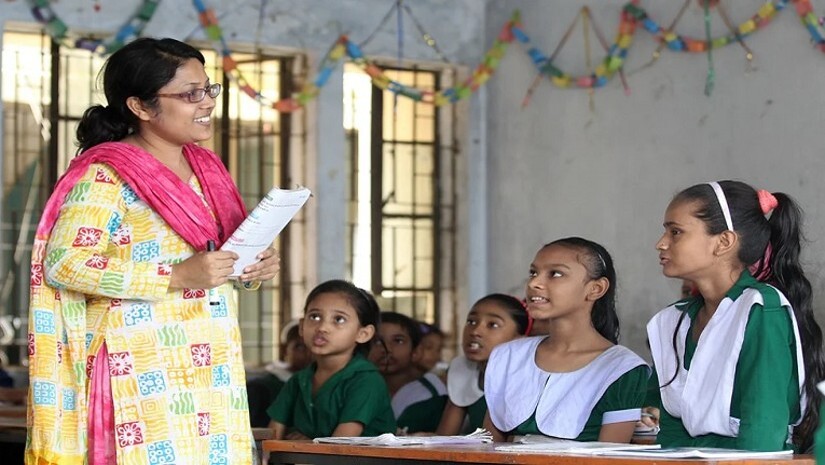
162, 190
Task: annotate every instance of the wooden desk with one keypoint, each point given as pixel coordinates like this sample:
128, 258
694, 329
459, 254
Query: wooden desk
306, 452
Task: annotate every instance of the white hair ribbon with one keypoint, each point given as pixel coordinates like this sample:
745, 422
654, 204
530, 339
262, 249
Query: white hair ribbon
723, 202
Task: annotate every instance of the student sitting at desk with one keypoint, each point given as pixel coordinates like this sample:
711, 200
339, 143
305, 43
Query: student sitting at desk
340, 393
737, 363
429, 351
493, 320
576, 382
417, 401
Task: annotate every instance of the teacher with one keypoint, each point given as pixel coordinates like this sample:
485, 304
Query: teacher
130, 362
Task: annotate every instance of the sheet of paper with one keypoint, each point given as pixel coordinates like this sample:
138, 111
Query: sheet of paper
700, 453
479, 436
262, 226
565, 446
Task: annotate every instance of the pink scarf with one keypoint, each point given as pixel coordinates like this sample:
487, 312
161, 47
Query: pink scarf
162, 190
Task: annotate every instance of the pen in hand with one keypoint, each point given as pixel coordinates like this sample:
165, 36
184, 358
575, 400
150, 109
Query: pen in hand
213, 295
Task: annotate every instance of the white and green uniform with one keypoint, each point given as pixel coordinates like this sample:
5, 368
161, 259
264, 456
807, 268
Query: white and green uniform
524, 399
464, 391
418, 405
741, 385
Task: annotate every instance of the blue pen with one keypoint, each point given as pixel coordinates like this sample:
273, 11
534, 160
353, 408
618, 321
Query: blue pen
213, 295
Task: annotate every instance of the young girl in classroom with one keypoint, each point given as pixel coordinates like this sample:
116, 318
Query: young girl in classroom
493, 320
429, 351
737, 363
417, 401
575, 382
340, 393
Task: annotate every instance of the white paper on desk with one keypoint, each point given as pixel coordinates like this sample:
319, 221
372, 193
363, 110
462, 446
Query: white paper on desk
262, 226
479, 436
699, 453
544, 444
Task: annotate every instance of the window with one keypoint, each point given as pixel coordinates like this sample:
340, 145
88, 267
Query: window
260, 146
402, 216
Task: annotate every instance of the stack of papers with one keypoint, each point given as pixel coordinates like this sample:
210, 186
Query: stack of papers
543, 444
697, 453
479, 436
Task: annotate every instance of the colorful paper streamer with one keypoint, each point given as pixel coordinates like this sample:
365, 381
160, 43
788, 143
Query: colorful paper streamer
631, 17
57, 29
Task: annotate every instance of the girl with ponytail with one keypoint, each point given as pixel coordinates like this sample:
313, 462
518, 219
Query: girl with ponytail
575, 382
737, 364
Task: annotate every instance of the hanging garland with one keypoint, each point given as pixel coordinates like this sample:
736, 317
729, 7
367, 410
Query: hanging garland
680, 43
57, 29
632, 15
214, 33
481, 74
813, 24
343, 46
609, 65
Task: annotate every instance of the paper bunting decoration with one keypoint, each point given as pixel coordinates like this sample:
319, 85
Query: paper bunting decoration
57, 29
481, 74
632, 15
609, 65
680, 43
345, 47
209, 21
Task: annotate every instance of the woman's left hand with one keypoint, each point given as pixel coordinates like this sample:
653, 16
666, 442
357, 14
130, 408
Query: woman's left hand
265, 269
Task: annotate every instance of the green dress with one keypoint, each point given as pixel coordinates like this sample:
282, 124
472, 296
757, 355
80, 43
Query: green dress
423, 415
357, 393
766, 387
475, 414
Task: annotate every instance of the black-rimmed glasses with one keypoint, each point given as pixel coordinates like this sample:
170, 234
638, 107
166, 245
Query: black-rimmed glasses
197, 95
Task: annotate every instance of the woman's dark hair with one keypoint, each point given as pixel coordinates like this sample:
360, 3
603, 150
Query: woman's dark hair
406, 323
362, 301
514, 307
782, 232
599, 264
139, 69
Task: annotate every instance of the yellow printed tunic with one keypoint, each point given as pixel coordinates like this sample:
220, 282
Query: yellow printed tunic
175, 360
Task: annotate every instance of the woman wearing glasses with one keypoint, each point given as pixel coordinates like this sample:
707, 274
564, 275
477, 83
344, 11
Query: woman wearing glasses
134, 343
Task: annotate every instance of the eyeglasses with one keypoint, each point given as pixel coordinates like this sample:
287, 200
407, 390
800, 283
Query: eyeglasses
197, 95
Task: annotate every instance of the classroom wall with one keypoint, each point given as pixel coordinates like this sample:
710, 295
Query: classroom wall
558, 168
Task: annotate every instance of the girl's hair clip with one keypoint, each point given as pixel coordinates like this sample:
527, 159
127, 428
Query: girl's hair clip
767, 201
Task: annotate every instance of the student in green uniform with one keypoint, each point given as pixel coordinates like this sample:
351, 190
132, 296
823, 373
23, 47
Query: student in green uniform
417, 401
494, 319
576, 382
744, 384
429, 351
340, 393
263, 389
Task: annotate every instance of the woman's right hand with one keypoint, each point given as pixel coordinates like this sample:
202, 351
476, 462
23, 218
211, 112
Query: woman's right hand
204, 270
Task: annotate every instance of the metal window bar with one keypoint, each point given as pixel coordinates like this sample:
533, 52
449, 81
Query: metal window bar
386, 145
